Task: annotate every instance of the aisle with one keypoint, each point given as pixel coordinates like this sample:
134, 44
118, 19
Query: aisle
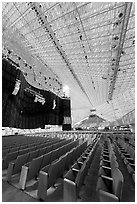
12, 194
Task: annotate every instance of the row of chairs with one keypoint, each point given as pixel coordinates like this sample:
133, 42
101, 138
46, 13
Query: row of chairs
110, 179
74, 178
31, 169
123, 143
132, 143
14, 141
129, 139
25, 142
15, 166
14, 149
13, 155
20, 147
127, 154
50, 173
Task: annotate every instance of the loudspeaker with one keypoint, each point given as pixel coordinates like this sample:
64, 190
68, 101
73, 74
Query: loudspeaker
66, 127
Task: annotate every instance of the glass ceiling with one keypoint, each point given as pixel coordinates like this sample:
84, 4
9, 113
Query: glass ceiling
88, 46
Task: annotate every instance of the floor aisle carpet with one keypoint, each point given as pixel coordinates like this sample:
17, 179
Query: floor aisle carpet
12, 194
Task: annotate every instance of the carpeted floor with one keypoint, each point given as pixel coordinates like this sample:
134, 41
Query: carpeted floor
12, 194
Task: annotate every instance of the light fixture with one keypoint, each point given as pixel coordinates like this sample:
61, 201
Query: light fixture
54, 104
38, 97
66, 91
17, 87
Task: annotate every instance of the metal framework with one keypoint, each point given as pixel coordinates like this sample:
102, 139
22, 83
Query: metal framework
88, 46
119, 45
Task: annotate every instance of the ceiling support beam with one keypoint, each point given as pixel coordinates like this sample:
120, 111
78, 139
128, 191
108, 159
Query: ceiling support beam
120, 48
45, 24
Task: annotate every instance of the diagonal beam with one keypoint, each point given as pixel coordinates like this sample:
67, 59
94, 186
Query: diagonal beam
121, 42
45, 24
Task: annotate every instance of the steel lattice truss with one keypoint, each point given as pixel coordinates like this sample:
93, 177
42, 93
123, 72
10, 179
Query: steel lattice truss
88, 46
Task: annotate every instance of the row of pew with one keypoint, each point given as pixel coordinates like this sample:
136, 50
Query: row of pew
29, 145
110, 179
51, 172
31, 169
17, 140
74, 178
24, 144
47, 163
31, 158
127, 153
34, 150
127, 138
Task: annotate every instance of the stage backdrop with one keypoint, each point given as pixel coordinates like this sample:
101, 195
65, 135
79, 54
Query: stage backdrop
20, 111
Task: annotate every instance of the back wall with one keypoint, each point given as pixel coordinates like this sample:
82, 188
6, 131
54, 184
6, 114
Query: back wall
20, 111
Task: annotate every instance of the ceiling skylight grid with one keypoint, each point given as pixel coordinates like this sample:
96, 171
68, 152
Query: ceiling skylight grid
116, 108
12, 15
7, 9
122, 28
126, 101
88, 89
84, 31
21, 6
30, 75
4, 6
127, 61
31, 14
106, 110
20, 10
58, 28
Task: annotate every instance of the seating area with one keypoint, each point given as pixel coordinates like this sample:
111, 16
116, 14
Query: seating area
74, 178
16, 143
32, 150
30, 158
32, 168
46, 159
127, 153
110, 178
49, 174
13, 141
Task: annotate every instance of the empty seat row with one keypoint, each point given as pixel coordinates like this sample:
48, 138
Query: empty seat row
14, 141
74, 178
13, 149
108, 162
11, 140
26, 140
13, 155
16, 165
110, 179
127, 154
31, 169
50, 173
110, 188
124, 142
